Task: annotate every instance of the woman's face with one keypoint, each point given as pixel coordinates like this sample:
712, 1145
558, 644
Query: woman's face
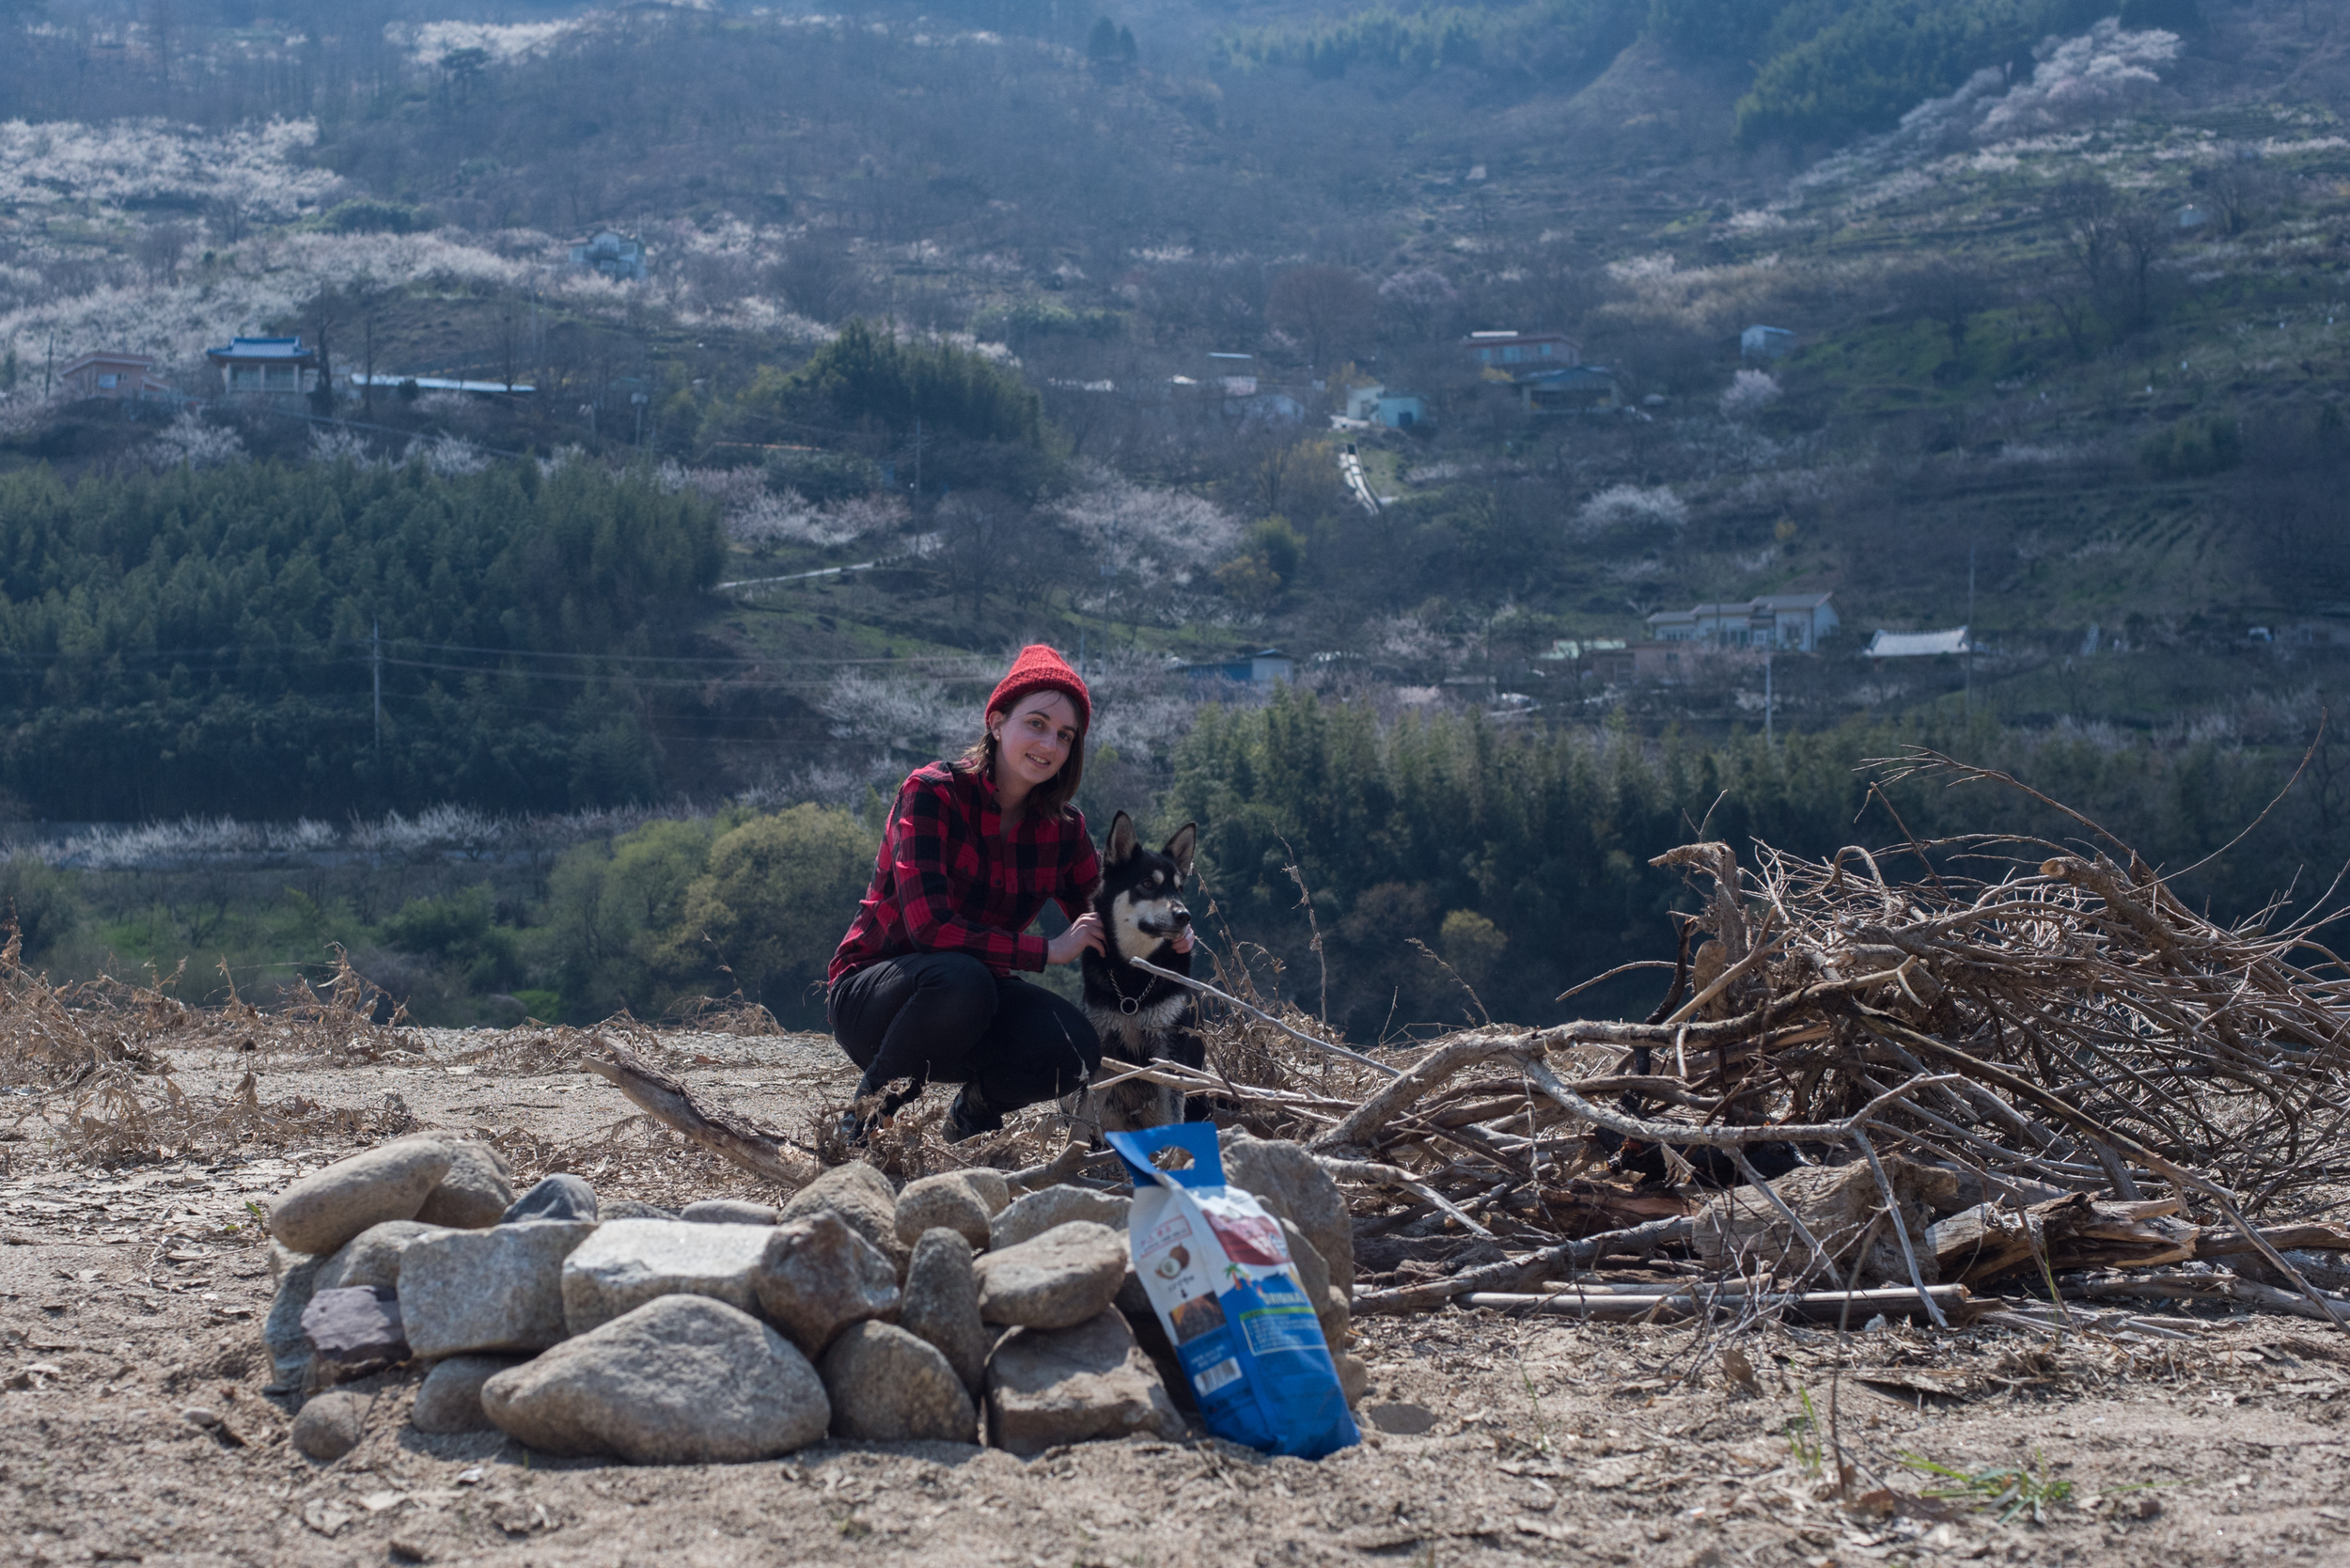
1033, 739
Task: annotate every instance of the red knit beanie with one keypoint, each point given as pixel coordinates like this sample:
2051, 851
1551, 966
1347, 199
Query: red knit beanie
1039, 668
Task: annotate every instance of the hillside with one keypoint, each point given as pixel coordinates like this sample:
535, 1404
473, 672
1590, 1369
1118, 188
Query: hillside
2066, 363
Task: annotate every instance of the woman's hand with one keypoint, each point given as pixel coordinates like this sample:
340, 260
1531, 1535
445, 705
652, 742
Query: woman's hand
1084, 934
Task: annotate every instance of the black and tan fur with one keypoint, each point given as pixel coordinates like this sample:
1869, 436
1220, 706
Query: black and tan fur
1139, 1016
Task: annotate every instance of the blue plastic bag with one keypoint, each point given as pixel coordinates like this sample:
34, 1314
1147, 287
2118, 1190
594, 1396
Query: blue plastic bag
1216, 1268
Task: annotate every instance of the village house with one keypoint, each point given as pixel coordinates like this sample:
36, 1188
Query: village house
1568, 389
1765, 342
613, 253
1512, 353
1247, 401
1374, 404
277, 366
105, 374
1264, 668
1547, 369
1795, 621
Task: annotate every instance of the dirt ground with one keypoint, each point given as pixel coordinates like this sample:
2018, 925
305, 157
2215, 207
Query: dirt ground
125, 1300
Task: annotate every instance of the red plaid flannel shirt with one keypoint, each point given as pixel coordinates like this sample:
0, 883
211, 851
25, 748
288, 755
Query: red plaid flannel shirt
947, 880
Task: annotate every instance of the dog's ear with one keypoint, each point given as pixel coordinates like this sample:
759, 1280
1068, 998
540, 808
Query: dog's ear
1122, 839
1180, 847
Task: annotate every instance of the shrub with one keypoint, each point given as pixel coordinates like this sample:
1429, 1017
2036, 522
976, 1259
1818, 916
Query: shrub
866, 375
461, 929
1472, 944
2192, 448
370, 216
1881, 58
39, 901
610, 909
778, 892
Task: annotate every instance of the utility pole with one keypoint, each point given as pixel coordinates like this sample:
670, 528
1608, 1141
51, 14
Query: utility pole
917, 457
1768, 738
1970, 630
375, 659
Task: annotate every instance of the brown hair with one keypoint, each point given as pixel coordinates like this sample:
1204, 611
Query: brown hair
1049, 799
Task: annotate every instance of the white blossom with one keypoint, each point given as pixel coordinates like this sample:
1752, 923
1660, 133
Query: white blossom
2092, 77
189, 440
1153, 532
330, 445
898, 714
450, 457
1623, 505
1749, 393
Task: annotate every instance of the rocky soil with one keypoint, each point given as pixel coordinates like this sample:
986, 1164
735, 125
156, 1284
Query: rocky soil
133, 1425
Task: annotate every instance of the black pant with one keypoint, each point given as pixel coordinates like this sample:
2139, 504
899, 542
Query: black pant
946, 1017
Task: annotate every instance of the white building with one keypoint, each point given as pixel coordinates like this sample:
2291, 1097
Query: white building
612, 253
1765, 342
1788, 620
1375, 405
279, 365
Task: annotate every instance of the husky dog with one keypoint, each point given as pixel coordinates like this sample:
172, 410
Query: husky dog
1139, 1015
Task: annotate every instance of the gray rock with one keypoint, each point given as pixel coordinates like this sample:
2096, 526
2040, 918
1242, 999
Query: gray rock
949, 1201
450, 1398
327, 1208
1029, 1218
941, 1304
330, 1426
729, 1211
819, 1276
499, 1288
628, 1263
1292, 1186
1063, 1277
994, 1192
559, 1196
628, 1208
475, 1192
861, 1195
682, 1380
888, 1386
373, 1257
354, 1326
1330, 1304
1046, 1387
289, 1353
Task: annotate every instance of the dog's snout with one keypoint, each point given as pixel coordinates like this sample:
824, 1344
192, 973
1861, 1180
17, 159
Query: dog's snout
1183, 917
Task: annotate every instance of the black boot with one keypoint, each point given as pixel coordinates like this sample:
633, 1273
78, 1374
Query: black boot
969, 1116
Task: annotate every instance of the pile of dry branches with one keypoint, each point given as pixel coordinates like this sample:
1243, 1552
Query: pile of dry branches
90, 1063
2043, 1067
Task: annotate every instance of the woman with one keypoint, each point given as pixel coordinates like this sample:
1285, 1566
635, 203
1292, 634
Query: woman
924, 985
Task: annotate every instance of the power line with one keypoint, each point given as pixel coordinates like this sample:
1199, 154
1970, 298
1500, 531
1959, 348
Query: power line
594, 679
237, 659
